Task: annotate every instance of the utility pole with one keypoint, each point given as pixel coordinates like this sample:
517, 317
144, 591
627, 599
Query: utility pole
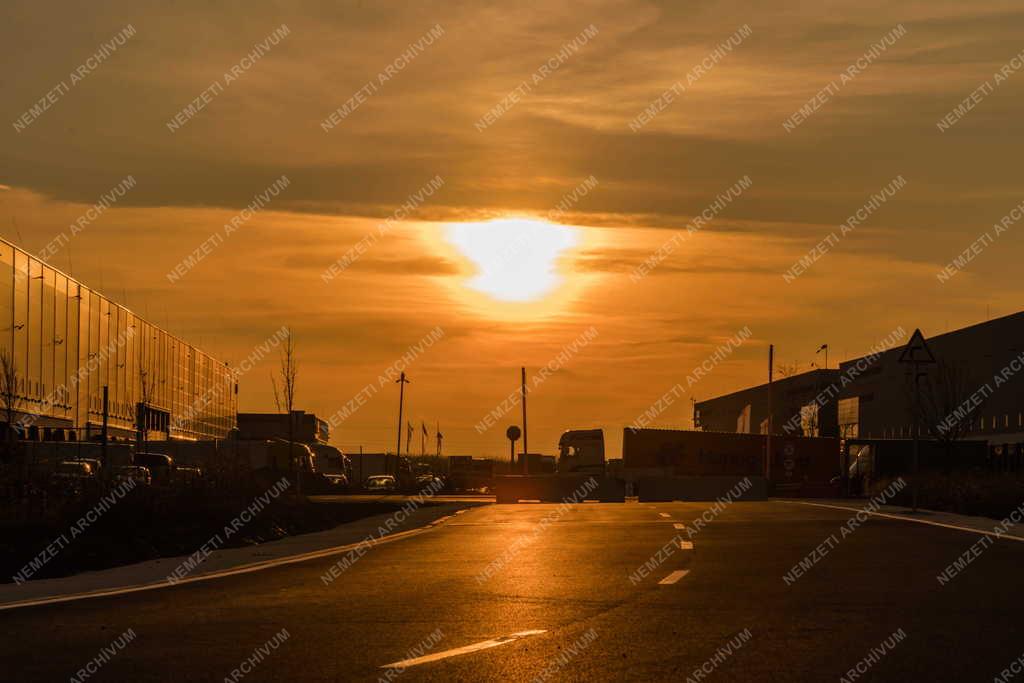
768, 440
401, 382
526, 450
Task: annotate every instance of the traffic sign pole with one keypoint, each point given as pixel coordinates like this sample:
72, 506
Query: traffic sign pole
916, 353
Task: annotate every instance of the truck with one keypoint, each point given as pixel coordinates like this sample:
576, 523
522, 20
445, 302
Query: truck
579, 474
675, 464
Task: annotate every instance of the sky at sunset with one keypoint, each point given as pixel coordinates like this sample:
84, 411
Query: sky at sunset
535, 232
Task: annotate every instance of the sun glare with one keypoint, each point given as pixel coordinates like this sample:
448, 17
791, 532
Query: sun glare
516, 259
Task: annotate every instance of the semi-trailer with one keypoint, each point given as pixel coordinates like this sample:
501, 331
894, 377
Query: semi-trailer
669, 464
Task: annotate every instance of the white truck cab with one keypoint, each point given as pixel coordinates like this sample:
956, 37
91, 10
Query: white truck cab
581, 451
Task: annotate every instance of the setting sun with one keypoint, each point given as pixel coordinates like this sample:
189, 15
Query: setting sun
515, 258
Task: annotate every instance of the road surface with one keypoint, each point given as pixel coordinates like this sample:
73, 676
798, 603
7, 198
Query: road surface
454, 598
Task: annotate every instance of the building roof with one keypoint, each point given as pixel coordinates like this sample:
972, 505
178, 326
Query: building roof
816, 375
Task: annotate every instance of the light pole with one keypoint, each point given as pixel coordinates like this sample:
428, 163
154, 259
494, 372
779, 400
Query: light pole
401, 382
526, 450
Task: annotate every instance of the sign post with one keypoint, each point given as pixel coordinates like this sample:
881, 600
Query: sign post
512, 434
917, 353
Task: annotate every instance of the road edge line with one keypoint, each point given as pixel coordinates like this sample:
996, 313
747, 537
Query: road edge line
905, 519
220, 573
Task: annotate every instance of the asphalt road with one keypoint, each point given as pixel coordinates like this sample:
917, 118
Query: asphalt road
566, 583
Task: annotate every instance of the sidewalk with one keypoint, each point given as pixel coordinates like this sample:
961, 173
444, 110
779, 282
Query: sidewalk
982, 525
153, 574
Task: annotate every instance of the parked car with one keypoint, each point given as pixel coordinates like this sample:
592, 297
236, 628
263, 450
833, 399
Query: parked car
126, 473
187, 474
97, 466
72, 475
425, 481
381, 483
337, 481
160, 466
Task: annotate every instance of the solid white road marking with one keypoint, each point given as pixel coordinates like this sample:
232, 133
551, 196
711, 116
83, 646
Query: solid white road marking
475, 647
679, 526
664, 514
686, 545
673, 577
905, 519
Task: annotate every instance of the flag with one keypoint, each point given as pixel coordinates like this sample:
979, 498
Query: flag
424, 426
822, 348
408, 437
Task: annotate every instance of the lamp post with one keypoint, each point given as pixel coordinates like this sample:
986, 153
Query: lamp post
526, 451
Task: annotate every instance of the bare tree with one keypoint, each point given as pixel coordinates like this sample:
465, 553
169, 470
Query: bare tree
947, 405
284, 396
8, 396
289, 371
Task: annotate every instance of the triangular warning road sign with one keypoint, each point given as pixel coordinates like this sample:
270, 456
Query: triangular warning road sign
916, 350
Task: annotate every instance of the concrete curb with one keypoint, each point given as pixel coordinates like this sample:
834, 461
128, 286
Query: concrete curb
152, 575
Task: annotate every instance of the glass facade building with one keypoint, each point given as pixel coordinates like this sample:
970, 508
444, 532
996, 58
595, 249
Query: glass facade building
67, 342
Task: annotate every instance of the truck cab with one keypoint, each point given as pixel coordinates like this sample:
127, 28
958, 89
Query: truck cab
581, 451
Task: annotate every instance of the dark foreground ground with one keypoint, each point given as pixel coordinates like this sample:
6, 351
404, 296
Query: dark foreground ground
570, 579
152, 523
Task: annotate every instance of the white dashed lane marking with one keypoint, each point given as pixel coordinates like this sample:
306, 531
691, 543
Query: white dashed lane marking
673, 577
664, 514
465, 650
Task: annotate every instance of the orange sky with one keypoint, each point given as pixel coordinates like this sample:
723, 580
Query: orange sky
569, 125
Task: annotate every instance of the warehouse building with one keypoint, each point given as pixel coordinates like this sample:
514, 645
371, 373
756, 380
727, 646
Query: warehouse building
974, 389
746, 411
61, 343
